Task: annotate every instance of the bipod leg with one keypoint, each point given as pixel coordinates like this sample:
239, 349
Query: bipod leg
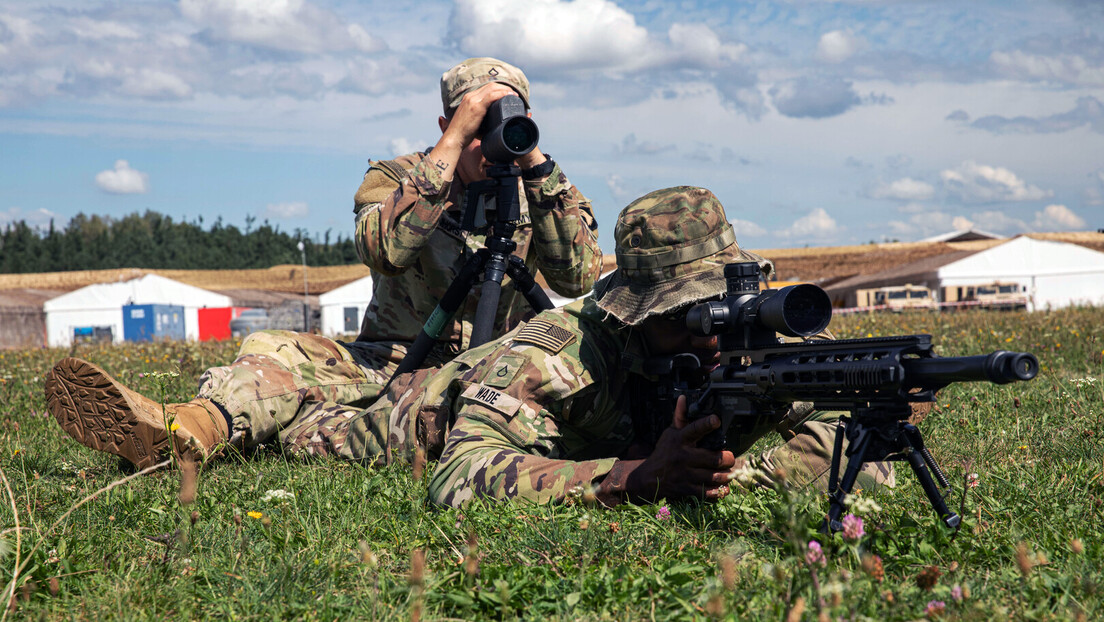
837, 453
442, 315
524, 282
919, 459
861, 437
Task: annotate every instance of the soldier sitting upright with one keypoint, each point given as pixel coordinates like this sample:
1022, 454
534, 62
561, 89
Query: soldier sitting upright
407, 214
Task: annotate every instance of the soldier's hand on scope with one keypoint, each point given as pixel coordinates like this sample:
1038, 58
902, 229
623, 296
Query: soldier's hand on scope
464, 125
677, 467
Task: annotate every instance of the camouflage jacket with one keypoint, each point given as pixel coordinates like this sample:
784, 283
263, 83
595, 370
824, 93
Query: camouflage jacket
540, 414
412, 241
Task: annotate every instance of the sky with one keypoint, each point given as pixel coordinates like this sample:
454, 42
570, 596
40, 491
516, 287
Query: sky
816, 123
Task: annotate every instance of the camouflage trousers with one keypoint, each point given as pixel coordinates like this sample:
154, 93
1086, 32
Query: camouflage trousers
282, 379
321, 397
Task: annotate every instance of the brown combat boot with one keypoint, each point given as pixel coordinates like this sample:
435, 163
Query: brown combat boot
101, 413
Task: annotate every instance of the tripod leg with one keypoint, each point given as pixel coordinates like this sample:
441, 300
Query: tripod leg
439, 319
918, 462
489, 295
524, 282
856, 457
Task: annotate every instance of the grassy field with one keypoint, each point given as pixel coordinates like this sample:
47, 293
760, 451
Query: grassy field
267, 538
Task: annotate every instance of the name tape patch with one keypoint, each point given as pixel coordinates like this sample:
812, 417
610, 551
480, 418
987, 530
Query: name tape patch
492, 398
546, 335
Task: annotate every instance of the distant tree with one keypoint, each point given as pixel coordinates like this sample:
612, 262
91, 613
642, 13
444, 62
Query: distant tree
154, 240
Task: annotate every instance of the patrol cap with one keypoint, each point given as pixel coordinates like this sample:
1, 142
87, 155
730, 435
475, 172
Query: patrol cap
474, 73
672, 246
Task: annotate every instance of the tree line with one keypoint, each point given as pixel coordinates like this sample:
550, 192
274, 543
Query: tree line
153, 240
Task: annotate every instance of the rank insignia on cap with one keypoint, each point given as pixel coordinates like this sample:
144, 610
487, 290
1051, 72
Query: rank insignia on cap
546, 335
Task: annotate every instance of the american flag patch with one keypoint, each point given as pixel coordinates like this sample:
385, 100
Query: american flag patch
546, 335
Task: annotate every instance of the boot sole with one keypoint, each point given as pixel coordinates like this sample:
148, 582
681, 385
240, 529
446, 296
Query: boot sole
94, 409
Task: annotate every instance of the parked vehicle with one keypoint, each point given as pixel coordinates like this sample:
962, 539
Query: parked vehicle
250, 321
1000, 296
904, 297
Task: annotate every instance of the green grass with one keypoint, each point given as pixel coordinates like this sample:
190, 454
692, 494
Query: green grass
342, 547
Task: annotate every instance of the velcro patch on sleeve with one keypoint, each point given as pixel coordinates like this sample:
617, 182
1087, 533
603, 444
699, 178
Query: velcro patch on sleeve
503, 371
546, 335
492, 398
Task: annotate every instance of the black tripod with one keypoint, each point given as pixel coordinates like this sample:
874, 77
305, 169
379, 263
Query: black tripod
493, 261
883, 433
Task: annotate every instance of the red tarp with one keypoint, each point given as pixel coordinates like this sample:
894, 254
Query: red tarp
214, 322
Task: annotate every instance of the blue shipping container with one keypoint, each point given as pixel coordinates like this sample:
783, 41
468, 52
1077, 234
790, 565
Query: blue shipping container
149, 322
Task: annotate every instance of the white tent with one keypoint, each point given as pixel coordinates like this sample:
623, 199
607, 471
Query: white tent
1056, 274
101, 305
343, 308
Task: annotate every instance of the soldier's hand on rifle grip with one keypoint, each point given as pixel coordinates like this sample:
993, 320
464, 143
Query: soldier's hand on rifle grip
677, 467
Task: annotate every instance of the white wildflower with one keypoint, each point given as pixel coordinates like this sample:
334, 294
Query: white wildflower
745, 475
277, 495
861, 505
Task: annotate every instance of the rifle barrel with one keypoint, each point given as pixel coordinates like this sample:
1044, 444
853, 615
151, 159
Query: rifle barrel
1000, 367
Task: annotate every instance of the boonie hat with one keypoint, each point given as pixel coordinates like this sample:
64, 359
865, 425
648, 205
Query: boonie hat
474, 73
672, 246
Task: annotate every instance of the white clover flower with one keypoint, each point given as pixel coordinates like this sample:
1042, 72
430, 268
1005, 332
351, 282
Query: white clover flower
861, 505
746, 475
277, 495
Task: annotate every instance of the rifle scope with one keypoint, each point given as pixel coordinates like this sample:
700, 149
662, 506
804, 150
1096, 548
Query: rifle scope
795, 311
508, 132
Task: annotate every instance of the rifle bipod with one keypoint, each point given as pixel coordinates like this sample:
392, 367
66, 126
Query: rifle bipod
875, 437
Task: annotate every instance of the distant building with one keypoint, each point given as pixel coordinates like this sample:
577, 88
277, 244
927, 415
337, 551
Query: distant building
343, 308
96, 311
1052, 274
963, 235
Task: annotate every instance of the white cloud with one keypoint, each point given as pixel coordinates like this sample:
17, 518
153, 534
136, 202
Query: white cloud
746, 229
904, 189
36, 219
999, 222
814, 97
403, 146
815, 224
585, 33
292, 25
837, 46
1065, 68
1094, 195
88, 28
631, 146
1058, 218
283, 211
961, 223
921, 225
978, 183
123, 180
622, 190
698, 45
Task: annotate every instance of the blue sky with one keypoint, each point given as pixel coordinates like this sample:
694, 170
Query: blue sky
816, 123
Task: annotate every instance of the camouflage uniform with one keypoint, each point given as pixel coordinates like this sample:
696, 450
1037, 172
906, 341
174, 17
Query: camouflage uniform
410, 237
547, 411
